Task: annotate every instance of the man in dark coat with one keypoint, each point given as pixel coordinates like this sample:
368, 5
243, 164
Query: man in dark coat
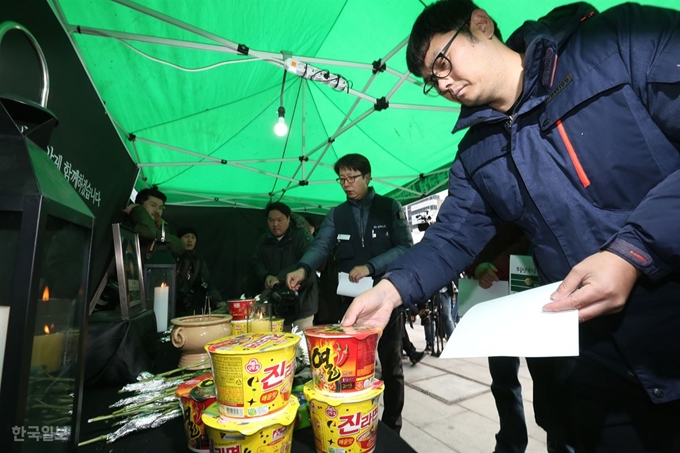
194, 285
277, 253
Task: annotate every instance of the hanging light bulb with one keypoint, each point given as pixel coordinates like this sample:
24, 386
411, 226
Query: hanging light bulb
281, 128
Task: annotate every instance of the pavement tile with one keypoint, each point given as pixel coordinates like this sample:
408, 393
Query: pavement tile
422, 441
451, 388
467, 432
471, 371
449, 407
421, 409
415, 373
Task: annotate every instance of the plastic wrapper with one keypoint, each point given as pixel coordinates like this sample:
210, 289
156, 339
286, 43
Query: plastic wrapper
153, 385
136, 399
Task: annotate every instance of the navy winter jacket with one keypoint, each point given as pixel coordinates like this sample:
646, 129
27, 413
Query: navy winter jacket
589, 161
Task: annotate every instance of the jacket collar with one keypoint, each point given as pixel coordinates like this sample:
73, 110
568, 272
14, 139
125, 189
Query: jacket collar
540, 42
368, 198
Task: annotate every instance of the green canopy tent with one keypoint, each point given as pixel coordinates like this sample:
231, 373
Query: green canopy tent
194, 89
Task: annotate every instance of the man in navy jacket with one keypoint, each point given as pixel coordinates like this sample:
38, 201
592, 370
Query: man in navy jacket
574, 136
370, 231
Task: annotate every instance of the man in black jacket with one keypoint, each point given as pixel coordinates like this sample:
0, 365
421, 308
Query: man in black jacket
277, 253
370, 232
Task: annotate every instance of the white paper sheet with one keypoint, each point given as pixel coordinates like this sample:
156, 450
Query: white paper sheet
515, 326
470, 293
351, 289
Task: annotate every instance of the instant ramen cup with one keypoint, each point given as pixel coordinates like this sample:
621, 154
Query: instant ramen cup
241, 308
268, 434
253, 372
195, 395
342, 359
277, 325
344, 422
238, 327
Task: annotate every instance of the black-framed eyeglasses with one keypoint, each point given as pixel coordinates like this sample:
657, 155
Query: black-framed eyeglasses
441, 67
350, 179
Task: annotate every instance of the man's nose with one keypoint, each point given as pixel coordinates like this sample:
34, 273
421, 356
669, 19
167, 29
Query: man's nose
444, 84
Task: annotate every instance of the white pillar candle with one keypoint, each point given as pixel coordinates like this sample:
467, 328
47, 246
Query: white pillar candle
4, 324
260, 325
160, 307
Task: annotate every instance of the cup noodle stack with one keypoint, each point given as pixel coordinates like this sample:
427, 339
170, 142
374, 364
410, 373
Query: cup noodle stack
255, 408
343, 394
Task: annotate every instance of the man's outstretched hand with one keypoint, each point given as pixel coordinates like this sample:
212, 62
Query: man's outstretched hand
374, 307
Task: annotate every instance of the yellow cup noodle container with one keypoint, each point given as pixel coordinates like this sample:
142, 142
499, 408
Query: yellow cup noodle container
268, 434
239, 326
344, 422
253, 372
277, 325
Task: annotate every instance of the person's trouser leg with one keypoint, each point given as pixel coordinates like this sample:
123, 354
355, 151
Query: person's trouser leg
507, 393
550, 403
406, 343
389, 353
447, 318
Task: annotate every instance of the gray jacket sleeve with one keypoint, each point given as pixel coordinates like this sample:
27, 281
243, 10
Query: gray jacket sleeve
322, 247
401, 236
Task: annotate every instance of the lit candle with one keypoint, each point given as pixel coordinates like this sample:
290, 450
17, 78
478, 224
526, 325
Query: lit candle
260, 325
160, 306
47, 350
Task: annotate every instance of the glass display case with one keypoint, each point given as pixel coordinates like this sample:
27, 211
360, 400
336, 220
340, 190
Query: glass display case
44, 261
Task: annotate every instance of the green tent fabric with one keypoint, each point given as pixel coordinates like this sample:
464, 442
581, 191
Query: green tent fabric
197, 115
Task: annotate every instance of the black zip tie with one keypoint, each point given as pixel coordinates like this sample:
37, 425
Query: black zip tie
242, 49
303, 158
132, 137
223, 161
304, 182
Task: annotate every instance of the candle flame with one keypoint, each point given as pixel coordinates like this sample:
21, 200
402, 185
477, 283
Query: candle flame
46, 329
46, 294
163, 285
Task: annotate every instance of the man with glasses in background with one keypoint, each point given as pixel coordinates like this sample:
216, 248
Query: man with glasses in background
572, 136
370, 232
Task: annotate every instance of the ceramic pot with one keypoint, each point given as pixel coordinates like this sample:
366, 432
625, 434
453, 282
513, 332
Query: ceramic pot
191, 333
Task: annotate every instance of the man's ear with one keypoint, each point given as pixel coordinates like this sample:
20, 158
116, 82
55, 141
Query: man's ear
481, 21
368, 176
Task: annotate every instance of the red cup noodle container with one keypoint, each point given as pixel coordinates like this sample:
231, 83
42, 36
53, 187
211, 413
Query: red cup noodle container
241, 308
344, 422
342, 359
195, 395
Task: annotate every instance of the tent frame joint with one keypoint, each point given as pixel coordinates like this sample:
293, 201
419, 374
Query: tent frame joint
379, 66
243, 49
381, 104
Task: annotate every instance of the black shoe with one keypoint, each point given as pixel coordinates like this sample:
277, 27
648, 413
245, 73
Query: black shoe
417, 357
429, 347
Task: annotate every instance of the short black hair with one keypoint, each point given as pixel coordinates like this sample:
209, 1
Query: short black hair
277, 206
439, 18
353, 162
181, 231
144, 195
